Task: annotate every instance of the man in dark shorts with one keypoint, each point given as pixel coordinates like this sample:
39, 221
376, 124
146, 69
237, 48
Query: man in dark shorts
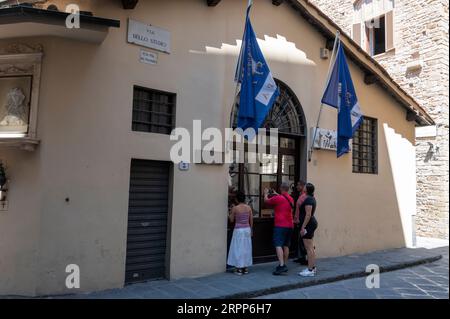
284, 224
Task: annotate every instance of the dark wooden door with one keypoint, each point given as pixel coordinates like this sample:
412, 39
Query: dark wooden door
283, 167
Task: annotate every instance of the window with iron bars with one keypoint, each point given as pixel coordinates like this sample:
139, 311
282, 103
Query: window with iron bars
365, 147
153, 111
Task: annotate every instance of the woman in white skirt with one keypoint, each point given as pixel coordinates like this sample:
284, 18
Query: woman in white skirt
240, 254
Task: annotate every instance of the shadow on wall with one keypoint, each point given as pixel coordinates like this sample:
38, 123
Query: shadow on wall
275, 49
402, 160
282, 56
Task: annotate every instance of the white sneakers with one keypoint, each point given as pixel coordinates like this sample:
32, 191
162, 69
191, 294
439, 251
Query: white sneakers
308, 273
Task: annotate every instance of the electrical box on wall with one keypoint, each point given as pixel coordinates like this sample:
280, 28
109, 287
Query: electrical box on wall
324, 53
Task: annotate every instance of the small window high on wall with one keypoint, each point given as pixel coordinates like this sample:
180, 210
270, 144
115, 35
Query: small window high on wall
365, 147
153, 111
373, 25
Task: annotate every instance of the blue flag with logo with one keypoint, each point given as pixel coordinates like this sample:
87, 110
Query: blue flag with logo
340, 93
258, 88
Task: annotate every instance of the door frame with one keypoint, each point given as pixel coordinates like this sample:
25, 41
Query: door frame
266, 224
297, 131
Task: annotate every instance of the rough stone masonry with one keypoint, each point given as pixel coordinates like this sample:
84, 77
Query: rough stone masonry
421, 40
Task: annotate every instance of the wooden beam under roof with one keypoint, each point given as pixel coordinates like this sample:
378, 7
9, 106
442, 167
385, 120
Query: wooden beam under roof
411, 116
370, 78
129, 4
212, 3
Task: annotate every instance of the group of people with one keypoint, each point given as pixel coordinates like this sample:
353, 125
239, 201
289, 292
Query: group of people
287, 213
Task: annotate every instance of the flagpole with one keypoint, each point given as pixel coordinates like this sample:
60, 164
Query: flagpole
239, 70
234, 104
336, 40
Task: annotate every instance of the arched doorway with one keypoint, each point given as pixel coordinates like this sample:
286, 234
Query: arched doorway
288, 165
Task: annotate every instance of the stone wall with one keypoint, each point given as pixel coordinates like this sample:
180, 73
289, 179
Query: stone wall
420, 65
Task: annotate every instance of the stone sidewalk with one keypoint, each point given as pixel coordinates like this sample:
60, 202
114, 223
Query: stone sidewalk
260, 280
426, 281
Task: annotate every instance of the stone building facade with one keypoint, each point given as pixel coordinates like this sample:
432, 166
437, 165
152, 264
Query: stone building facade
418, 61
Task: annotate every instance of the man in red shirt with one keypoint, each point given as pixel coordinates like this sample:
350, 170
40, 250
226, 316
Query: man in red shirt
284, 225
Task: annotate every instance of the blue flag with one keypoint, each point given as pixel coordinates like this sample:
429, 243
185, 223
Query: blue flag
258, 88
340, 93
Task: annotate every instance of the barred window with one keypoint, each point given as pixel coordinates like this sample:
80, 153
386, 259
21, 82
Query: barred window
365, 147
153, 111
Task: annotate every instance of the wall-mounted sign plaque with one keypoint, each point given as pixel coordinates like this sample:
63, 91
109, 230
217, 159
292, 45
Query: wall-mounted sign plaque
148, 36
325, 139
148, 57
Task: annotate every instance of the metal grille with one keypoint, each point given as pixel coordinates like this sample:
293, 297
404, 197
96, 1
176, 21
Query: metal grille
147, 220
365, 147
153, 111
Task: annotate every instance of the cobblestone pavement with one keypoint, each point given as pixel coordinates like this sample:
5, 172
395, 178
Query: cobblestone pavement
429, 281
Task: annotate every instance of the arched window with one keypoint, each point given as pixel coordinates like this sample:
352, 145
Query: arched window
286, 114
288, 165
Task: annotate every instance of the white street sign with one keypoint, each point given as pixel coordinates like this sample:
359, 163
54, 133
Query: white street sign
148, 57
148, 36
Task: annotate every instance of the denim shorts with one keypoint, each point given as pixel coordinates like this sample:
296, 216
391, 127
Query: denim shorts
282, 236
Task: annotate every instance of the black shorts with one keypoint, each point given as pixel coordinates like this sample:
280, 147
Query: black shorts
311, 228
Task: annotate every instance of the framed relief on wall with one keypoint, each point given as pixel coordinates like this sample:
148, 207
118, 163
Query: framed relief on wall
20, 74
15, 92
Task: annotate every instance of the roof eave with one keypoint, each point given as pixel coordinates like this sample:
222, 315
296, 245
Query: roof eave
21, 21
23, 13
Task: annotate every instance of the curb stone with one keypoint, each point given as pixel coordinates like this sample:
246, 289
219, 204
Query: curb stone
356, 274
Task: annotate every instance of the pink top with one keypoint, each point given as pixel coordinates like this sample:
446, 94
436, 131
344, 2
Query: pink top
282, 210
242, 219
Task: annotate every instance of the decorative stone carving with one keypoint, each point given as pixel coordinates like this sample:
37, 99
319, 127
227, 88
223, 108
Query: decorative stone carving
16, 109
21, 48
20, 113
16, 69
15, 2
